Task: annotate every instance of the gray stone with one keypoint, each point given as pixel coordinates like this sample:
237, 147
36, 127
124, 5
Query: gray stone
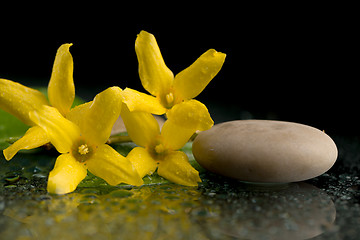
265, 151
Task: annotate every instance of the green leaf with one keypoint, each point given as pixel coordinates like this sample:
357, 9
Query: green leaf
11, 129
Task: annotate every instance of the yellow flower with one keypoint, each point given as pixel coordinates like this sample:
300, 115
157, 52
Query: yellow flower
159, 150
81, 139
159, 80
20, 100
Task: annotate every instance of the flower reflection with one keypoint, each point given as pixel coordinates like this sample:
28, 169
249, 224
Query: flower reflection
146, 212
292, 211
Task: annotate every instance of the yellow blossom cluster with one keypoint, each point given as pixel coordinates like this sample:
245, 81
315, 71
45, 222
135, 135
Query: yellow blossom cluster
80, 134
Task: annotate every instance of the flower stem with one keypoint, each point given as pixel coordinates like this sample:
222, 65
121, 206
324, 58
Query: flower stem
118, 139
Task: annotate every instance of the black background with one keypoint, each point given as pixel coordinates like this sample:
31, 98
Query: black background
294, 63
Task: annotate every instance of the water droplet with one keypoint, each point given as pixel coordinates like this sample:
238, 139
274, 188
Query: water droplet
121, 194
89, 199
12, 179
40, 175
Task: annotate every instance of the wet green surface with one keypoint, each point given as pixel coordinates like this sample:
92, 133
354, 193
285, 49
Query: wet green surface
219, 208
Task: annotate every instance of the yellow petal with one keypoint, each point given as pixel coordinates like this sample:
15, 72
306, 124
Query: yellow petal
191, 114
155, 76
19, 100
176, 168
62, 132
142, 127
184, 119
66, 175
61, 89
191, 82
96, 119
33, 138
142, 161
175, 136
137, 101
114, 168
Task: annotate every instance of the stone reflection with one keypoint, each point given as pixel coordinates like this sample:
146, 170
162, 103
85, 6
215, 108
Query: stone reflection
265, 211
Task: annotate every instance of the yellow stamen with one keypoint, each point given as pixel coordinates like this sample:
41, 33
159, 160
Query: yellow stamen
83, 149
159, 149
170, 98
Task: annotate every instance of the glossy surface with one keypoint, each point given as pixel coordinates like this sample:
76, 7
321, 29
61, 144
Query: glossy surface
326, 207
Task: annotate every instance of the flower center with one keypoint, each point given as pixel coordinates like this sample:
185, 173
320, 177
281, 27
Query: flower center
169, 99
159, 149
83, 149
